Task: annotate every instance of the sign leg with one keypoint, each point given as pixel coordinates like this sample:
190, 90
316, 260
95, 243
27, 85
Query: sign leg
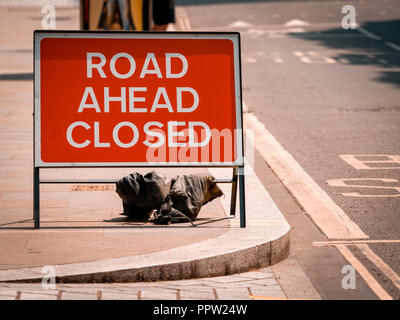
36, 198
234, 192
242, 199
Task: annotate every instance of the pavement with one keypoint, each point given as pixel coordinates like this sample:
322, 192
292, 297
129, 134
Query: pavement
257, 285
82, 234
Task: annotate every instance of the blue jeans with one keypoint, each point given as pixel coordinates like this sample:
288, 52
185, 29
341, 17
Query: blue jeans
123, 12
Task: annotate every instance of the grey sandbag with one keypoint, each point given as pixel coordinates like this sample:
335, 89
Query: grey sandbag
142, 194
187, 195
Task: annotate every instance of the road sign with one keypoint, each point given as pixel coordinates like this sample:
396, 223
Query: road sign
137, 99
111, 99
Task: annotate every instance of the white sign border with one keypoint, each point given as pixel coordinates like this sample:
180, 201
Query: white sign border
233, 36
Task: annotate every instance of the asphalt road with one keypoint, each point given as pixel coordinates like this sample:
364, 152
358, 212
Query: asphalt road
325, 92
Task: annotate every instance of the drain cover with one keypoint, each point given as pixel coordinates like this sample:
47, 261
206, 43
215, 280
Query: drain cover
89, 187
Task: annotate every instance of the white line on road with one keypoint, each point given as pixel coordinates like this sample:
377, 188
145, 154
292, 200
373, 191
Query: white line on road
369, 34
393, 45
356, 163
379, 38
351, 242
328, 216
387, 271
364, 273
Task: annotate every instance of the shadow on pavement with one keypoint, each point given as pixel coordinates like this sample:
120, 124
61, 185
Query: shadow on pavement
362, 50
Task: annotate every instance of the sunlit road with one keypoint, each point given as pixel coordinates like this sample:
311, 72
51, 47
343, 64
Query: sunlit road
331, 98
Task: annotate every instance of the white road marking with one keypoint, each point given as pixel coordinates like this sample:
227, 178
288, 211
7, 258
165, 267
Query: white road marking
342, 183
369, 34
350, 242
315, 57
298, 53
358, 164
393, 45
305, 60
344, 61
294, 30
326, 59
302, 57
240, 24
251, 60
274, 56
375, 37
296, 23
328, 216
329, 60
364, 273
387, 271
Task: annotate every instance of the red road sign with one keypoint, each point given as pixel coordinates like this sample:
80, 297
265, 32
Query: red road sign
137, 99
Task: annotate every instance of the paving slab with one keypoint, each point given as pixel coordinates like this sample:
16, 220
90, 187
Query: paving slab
37, 296
171, 290
78, 296
229, 294
197, 295
261, 293
157, 294
8, 295
117, 296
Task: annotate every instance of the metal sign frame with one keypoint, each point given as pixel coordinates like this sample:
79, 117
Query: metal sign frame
237, 165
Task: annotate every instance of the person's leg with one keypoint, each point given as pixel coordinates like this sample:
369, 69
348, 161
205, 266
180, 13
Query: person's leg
110, 13
124, 13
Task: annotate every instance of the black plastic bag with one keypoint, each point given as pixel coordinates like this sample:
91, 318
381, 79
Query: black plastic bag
186, 197
175, 200
141, 195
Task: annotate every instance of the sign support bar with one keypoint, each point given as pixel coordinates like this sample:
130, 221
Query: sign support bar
36, 198
234, 181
